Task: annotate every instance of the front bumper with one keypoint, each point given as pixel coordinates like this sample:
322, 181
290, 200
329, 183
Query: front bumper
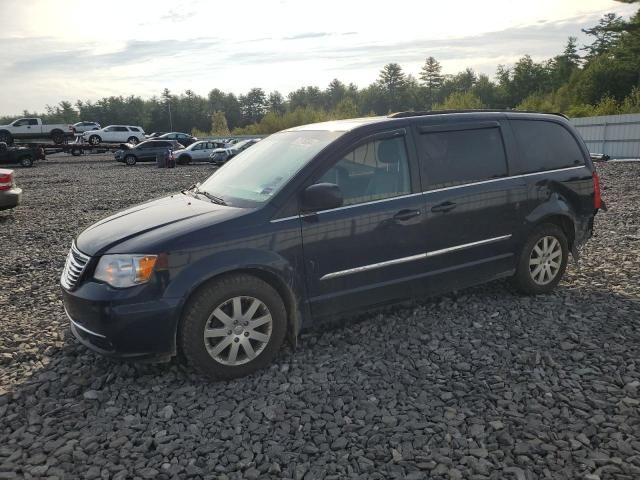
10, 198
111, 322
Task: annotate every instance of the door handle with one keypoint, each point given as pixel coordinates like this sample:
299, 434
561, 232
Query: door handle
443, 207
404, 215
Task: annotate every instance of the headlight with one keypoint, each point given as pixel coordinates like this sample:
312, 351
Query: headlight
123, 271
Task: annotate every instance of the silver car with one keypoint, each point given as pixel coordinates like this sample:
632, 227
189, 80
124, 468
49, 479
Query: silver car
82, 127
196, 151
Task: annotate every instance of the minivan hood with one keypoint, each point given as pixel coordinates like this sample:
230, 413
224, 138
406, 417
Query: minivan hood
163, 213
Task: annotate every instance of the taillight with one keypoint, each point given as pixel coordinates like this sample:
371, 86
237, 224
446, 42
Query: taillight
6, 181
597, 197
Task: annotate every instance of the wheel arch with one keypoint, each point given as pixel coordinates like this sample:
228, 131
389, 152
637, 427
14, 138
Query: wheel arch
558, 212
275, 279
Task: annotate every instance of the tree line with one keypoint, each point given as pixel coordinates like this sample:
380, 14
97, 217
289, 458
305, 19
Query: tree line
599, 78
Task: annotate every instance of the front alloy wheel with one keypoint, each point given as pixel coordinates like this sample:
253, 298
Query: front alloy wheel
238, 330
232, 326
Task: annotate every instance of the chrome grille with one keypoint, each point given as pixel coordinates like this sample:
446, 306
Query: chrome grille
73, 267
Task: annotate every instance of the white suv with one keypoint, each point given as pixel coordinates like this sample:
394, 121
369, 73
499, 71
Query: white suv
115, 134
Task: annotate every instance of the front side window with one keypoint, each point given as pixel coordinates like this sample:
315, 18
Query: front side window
375, 170
110, 129
545, 146
21, 123
258, 173
457, 157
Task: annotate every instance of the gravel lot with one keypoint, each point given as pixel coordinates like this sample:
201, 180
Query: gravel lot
478, 384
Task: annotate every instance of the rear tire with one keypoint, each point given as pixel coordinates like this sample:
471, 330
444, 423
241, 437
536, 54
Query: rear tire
130, 160
57, 136
132, 140
233, 326
26, 162
543, 260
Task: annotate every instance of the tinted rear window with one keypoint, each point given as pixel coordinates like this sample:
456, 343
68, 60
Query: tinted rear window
545, 146
462, 156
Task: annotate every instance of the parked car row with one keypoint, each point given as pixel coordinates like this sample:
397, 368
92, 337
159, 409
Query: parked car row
200, 150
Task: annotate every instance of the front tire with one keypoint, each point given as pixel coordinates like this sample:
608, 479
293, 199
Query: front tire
184, 160
26, 162
94, 139
543, 260
6, 138
130, 160
232, 327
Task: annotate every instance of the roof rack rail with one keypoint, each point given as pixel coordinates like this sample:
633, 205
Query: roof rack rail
478, 110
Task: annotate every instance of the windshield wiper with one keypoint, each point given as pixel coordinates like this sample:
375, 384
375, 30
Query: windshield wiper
210, 196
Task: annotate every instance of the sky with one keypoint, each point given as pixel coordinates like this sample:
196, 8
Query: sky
68, 50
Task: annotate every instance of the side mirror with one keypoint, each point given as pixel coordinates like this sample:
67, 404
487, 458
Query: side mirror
321, 196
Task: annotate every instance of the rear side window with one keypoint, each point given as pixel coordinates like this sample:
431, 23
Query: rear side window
545, 146
461, 156
134, 129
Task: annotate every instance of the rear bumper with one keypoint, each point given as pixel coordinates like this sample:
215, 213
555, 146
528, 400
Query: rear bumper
122, 329
10, 198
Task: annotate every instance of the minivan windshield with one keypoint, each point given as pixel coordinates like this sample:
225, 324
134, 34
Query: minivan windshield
256, 174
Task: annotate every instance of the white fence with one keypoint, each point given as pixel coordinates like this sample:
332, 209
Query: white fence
615, 135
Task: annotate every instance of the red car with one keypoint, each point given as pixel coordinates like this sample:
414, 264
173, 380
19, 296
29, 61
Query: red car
9, 193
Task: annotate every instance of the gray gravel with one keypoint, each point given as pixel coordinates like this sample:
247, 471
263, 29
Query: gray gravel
473, 385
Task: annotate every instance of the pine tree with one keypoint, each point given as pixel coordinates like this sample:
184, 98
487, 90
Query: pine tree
431, 74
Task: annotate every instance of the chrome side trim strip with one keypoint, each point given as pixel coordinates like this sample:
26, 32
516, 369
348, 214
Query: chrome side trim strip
396, 261
467, 245
284, 219
373, 266
80, 327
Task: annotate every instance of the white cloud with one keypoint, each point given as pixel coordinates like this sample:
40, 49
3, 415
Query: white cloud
88, 50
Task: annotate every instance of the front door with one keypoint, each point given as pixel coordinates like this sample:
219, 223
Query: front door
23, 129
472, 205
371, 250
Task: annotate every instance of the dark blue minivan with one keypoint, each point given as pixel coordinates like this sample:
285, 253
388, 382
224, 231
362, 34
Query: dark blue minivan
326, 220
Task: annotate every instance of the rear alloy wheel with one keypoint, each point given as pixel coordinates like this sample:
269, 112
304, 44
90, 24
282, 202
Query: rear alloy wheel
543, 260
130, 160
94, 139
132, 140
26, 162
232, 327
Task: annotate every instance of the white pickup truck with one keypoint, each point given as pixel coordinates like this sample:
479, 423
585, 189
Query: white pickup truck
25, 128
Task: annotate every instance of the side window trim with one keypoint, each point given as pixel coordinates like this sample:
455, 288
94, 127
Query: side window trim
458, 127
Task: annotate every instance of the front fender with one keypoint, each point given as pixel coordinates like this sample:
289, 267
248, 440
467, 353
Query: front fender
197, 272
267, 263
